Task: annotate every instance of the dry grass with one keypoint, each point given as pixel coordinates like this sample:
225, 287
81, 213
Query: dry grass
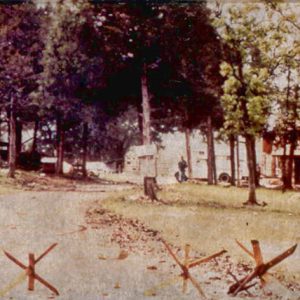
231, 197
211, 218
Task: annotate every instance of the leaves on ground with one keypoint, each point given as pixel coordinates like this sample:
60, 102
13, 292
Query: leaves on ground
133, 236
123, 254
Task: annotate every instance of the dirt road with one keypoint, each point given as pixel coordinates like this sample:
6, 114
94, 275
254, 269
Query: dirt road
85, 263
32, 221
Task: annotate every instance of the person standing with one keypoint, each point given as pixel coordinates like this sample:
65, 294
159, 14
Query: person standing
182, 165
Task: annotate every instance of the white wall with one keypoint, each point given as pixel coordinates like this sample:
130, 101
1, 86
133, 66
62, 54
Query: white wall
173, 146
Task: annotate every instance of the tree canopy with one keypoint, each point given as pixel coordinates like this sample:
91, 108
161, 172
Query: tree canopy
99, 67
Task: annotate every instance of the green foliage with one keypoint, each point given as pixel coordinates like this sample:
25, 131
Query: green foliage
247, 68
20, 46
117, 135
285, 93
64, 64
58, 60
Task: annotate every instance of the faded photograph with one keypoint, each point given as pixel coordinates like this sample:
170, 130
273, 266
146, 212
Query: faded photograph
149, 149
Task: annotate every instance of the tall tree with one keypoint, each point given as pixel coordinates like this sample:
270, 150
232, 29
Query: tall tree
117, 135
247, 69
63, 69
171, 34
287, 115
20, 47
285, 86
190, 45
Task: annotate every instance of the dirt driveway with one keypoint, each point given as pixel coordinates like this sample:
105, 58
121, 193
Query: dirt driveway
32, 221
87, 263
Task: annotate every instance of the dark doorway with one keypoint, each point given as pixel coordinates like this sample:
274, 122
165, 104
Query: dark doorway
297, 170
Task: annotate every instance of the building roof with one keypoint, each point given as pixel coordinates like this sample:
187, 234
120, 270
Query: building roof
49, 160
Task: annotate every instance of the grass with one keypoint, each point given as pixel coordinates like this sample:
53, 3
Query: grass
211, 218
231, 197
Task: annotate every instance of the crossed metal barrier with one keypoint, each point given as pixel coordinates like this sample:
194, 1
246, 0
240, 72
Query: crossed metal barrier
29, 271
261, 270
185, 267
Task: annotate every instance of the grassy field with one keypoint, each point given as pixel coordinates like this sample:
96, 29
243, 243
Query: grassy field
231, 197
212, 218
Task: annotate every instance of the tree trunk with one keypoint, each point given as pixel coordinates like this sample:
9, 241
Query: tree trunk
214, 167
283, 168
289, 173
150, 186
257, 173
188, 151
146, 108
238, 160
210, 175
140, 122
34, 141
19, 127
60, 146
12, 158
273, 166
284, 171
251, 170
85, 143
0, 139
232, 159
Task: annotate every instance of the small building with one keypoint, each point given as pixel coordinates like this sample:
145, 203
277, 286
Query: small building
99, 167
142, 160
273, 159
48, 164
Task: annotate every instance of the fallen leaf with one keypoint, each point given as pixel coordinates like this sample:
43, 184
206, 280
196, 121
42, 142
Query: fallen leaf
123, 254
215, 278
102, 257
149, 293
152, 268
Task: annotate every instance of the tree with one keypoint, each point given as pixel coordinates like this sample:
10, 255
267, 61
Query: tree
287, 131
117, 135
20, 45
64, 66
286, 91
247, 69
170, 35
285, 87
287, 11
190, 45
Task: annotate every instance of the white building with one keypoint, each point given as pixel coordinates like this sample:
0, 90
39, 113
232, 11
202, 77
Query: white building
173, 146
